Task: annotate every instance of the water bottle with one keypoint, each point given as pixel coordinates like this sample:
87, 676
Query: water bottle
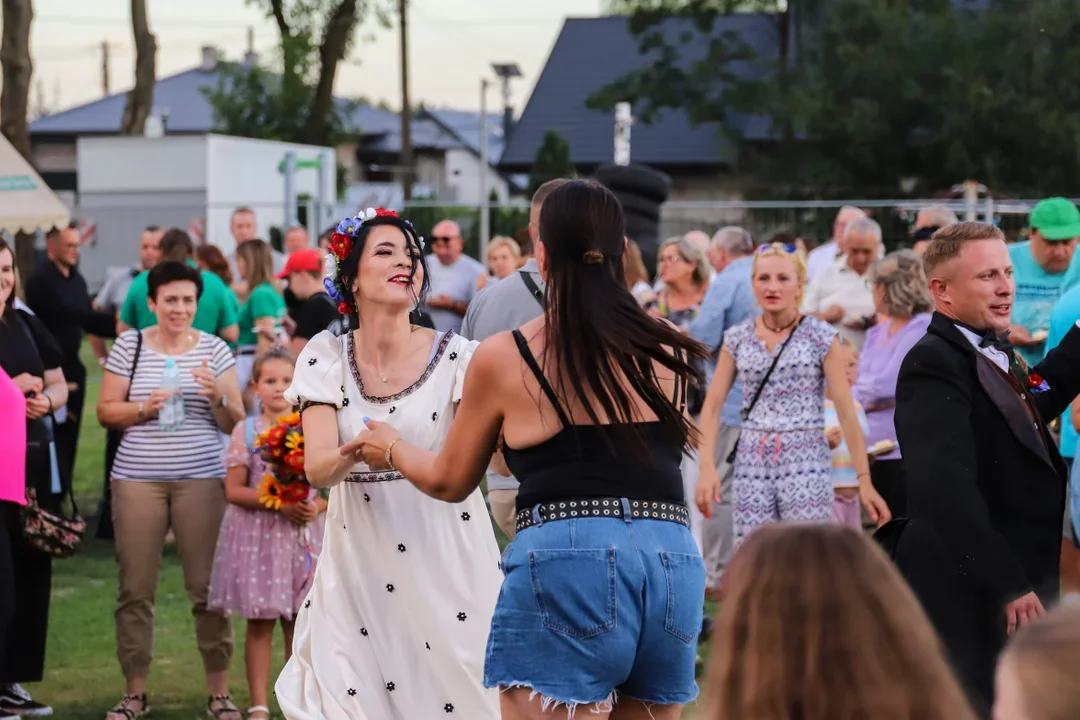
171, 416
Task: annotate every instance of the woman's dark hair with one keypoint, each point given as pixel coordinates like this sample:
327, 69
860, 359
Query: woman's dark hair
214, 260
598, 336
171, 271
350, 266
9, 304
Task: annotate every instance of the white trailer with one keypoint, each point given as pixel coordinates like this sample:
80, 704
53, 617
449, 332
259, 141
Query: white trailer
193, 182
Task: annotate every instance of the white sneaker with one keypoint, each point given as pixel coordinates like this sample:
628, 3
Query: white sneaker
16, 701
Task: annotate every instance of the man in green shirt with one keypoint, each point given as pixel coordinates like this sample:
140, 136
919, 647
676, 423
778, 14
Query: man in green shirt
218, 307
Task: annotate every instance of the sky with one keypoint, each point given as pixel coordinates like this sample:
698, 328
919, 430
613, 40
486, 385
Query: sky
452, 44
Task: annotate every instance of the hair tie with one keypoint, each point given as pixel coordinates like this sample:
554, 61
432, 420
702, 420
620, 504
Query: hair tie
593, 257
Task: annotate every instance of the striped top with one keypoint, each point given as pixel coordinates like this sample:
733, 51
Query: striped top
193, 450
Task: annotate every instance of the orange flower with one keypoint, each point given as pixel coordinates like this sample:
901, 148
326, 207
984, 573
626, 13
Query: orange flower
275, 436
295, 461
270, 492
295, 492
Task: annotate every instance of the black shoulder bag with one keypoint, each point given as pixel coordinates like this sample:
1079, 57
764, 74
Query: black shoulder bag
533, 289
746, 413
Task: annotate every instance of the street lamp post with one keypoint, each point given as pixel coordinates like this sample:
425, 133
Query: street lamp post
505, 72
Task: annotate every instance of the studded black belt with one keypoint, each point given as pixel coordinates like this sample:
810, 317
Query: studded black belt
602, 507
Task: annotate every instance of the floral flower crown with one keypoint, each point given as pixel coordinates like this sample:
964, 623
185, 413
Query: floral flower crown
341, 244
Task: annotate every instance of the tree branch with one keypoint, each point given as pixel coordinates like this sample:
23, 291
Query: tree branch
335, 40
278, 10
140, 99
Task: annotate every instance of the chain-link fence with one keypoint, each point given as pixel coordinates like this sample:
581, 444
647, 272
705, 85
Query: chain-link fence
111, 229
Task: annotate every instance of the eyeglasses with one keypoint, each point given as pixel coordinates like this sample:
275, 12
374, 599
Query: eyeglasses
784, 247
443, 239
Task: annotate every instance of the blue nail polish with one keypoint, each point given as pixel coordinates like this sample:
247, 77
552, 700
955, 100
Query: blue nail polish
367, 419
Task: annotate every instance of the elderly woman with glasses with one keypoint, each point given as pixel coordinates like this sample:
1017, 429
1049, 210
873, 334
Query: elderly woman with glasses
785, 361
902, 301
684, 272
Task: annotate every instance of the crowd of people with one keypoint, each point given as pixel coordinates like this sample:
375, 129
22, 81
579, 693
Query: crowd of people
727, 430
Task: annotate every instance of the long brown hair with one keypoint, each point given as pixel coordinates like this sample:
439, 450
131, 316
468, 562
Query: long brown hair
602, 343
214, 260
1045, 657
817, 624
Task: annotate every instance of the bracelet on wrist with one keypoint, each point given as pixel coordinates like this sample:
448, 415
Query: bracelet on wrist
389, 453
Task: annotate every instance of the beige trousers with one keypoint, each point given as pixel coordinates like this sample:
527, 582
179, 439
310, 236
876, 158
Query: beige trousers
143, 512
503, 509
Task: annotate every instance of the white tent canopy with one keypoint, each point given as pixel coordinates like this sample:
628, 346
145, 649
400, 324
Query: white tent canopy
26, 203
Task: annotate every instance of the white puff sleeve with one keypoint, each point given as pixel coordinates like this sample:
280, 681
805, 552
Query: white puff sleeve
460, 352
320, 373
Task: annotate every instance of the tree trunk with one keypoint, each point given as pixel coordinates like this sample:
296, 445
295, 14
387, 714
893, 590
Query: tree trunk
140, 99
332, 51
15, 100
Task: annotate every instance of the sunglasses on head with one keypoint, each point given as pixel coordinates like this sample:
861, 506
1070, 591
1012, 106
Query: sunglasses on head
785, 247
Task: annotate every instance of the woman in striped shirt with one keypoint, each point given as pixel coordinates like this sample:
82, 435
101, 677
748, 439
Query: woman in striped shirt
169, 479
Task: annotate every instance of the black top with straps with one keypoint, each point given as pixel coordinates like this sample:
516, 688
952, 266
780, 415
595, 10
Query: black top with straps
578, 463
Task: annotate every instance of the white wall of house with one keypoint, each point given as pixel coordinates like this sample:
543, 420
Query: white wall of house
462, 173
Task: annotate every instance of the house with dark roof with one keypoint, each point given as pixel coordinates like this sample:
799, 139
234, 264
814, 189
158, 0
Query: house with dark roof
590, 53
446, 145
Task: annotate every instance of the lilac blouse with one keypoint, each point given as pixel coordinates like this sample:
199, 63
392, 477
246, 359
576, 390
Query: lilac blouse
878, 368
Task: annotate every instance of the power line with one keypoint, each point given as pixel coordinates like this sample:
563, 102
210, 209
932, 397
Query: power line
205, 24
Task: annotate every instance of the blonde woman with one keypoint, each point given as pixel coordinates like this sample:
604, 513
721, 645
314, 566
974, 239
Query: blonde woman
684, 272
262, 313
784, 361
503, 258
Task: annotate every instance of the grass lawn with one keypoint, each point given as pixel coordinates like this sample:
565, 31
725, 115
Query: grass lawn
82, 676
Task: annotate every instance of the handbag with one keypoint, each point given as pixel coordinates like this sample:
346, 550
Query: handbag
746, 413
52, 533
46, 531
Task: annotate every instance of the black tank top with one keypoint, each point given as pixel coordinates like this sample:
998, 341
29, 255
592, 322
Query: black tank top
577, 462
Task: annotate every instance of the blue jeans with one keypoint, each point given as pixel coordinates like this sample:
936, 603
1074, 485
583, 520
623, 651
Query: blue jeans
594, 608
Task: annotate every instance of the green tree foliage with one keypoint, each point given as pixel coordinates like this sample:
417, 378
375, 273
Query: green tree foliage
297, 104
873, 91
552, 161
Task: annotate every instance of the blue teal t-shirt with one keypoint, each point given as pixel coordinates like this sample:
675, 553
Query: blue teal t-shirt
1065, 314
1036, 293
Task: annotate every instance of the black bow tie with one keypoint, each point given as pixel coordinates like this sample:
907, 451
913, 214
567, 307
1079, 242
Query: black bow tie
998, 342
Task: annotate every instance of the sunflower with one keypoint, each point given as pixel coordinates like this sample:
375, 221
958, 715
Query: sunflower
294, 440
270, 492
292, 419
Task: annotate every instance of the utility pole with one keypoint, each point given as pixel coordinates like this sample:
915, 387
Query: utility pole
105, 66
406, 107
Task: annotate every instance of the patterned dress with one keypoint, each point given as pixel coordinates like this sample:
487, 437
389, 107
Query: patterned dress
397, 620
264, 564
783, 469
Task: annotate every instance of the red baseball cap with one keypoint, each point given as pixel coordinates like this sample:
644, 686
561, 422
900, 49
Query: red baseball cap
302, 260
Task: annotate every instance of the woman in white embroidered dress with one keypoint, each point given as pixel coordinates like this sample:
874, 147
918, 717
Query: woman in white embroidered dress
396, 622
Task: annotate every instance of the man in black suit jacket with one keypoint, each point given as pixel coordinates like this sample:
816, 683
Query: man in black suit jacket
985, 481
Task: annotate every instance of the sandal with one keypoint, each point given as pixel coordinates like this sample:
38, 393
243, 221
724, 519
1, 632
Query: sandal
262, 710
123, 710
225, 710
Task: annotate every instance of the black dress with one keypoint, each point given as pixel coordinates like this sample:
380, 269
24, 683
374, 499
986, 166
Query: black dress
25, 594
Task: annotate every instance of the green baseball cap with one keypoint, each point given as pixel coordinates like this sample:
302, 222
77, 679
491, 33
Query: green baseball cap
1056, 218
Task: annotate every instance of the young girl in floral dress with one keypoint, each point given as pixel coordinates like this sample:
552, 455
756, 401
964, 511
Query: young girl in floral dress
265, 558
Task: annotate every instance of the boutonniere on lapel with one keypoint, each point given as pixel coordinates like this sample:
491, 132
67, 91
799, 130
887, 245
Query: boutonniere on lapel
1036, 383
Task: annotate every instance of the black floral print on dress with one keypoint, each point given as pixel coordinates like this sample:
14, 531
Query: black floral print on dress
389, 587
462, 617
352, 692
363, 631
390, 687
465, 516
401, 547
311, 362
448, 707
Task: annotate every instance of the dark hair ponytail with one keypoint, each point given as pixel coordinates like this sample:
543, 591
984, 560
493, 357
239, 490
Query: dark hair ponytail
597, 334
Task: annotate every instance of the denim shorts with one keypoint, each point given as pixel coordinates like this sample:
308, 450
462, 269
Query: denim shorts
597, 608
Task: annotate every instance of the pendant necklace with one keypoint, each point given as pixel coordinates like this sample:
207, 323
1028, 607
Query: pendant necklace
779, 329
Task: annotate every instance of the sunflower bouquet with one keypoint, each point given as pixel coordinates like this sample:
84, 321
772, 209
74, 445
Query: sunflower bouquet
282, 449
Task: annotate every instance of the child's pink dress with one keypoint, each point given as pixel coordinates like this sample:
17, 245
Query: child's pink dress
264, 564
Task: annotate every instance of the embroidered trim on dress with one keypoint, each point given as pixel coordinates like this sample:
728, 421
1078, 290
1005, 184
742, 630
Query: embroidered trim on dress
312, 403
374, 476
380, 399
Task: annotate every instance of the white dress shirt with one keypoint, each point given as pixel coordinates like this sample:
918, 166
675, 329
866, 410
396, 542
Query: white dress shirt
839, 285
993, 354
